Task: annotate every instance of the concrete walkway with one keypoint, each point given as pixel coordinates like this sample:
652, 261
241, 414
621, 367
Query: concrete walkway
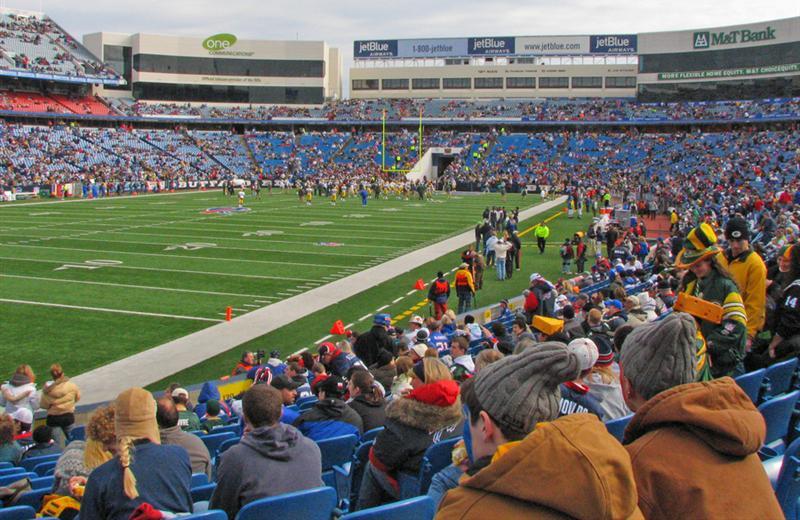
104, 383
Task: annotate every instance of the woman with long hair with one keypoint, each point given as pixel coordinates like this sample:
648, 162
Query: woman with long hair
142, 470
59, 397
427, 414
707, 279
81, 457
366, 399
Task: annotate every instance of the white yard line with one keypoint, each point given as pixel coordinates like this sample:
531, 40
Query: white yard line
214, 273
379, 309
102, 309
161, 255
320, 340
397, 299
129, 286
103, 199
364, 317
412, 291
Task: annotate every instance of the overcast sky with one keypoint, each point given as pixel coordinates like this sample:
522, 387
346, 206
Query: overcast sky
339, 22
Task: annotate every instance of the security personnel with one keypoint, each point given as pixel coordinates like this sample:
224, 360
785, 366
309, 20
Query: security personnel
542, 232
749, 273
465, 288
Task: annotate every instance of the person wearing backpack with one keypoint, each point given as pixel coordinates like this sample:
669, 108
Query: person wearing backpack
439, 293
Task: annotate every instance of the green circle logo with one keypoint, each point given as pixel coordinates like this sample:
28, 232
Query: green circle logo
219, 42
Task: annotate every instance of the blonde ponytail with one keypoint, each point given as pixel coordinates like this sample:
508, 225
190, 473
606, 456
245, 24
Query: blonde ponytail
128, 478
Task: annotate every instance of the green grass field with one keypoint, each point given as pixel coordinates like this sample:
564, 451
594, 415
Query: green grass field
87, 283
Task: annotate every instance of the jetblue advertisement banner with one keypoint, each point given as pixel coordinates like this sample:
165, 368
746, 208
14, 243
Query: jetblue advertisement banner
432, 48
613, 44
375, 49
490, 45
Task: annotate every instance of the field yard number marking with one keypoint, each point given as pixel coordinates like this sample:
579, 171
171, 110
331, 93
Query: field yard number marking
190, 246
90, 264
316, 223
263, 233
356, 215
112, 207
390, 210
44, 213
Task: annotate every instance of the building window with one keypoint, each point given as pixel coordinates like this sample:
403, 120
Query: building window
587, 82
488, 82
425, 83
621, 82
520, 82
394, 84
457, 83
120, 59
365, 84
553, 82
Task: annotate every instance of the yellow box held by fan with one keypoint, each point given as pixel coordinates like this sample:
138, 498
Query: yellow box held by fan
699, 308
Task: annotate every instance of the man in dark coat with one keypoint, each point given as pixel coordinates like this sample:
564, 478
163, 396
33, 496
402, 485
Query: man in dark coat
370, 343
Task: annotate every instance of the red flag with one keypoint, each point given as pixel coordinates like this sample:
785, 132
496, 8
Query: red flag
338, 328
419, 285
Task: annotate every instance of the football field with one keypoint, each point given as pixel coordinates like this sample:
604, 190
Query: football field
86, 283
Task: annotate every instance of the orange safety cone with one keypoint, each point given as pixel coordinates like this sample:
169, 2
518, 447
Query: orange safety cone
419, 285
228, 313
338, 328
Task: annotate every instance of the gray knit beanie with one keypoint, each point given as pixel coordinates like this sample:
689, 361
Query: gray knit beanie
521, 390
660, 355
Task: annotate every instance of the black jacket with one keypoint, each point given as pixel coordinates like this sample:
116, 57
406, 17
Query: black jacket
411, 427
373, 415
369, 344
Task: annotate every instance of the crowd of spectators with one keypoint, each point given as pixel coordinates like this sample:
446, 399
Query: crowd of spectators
557, 110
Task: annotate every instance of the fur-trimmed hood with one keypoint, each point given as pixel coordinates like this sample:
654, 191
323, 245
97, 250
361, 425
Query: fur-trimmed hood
428, 417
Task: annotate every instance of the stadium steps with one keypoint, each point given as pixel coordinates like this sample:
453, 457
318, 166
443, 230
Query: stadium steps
250, 155
165, 152
211, 156
341, 149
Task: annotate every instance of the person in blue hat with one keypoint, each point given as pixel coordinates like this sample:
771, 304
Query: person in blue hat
369, 344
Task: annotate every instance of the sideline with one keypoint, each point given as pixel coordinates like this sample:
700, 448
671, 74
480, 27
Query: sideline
108, 199
102, 309
142, 369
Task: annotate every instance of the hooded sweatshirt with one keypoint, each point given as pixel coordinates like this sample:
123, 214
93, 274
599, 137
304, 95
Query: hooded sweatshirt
712, 433
269, 461
18, 385
585, 474
329, 418
208, 392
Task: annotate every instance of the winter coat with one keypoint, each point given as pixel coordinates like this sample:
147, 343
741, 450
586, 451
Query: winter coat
329, 418
586, 474
750, 274
384, 375
373, 415
712, 433
59, 398
199, 457
18, 385
369, 344
426, 415
268, 461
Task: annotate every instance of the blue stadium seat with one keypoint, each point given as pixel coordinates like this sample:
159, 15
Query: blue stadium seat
10, 479
777, 414
199, 479
213, 441
43, 482
616, 427
227, 444
357, 467
233, 428
11, 470
417, 508
211, 514
17, 513
437, 457
300, 402
204, 492
6, 465
33, 498
77, 433
44, 467
751, 383
306, 405
312, 504
371, 434
337, 457
787, 488
32, 462
779, 377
